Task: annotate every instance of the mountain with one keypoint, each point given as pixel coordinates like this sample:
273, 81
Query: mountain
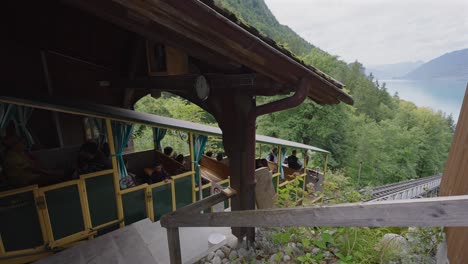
391, 71
452, 66
257, 14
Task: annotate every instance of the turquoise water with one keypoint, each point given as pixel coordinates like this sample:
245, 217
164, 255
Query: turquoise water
444, 95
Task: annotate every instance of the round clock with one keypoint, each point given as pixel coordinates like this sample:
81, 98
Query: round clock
202, 88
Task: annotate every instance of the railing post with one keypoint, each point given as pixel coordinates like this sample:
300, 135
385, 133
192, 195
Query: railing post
173, 241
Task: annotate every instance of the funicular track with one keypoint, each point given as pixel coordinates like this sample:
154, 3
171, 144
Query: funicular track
406, 189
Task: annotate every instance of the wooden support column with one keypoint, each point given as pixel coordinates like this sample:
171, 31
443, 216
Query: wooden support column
455, 182
236, 117
174, 245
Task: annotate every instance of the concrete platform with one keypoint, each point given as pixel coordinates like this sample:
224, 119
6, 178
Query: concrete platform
141, 242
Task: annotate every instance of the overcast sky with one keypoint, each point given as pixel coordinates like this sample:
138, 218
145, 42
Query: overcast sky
378, 31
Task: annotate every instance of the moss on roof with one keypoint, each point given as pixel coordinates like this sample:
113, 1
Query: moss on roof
232, 17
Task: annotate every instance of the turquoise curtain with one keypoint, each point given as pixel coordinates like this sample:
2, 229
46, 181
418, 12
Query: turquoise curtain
158, 135
100, 125
7, 113
122, 133
22, 116
199, 143
283, 157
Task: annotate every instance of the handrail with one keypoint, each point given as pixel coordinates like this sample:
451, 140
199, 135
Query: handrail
439, 211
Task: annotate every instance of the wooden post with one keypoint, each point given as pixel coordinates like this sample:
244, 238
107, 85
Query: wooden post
359, 173
173, 241
325, 166
110, 139
236, 117
192, 160
278, 160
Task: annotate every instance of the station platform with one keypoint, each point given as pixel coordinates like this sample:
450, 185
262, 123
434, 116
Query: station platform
141, 242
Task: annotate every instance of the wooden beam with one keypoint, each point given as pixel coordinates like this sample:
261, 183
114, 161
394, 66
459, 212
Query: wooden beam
190, 23
440, 211
173, 241
219, 83
200, 205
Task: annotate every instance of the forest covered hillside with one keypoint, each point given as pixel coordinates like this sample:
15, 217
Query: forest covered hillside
394, 139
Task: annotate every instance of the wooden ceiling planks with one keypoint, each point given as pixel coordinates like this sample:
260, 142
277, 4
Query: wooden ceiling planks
190, 23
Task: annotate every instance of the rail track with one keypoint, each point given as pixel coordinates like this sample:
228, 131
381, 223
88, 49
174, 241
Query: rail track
385, 191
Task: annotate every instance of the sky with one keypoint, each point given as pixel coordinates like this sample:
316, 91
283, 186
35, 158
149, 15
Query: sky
378, 32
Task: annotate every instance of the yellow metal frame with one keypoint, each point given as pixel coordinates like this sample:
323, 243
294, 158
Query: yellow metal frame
277, 175
3, 252
19, 190
150, 196
84, 209
148, 202
118, 198
84, 200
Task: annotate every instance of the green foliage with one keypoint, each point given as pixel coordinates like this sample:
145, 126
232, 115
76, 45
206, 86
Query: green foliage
175, 107
392, 138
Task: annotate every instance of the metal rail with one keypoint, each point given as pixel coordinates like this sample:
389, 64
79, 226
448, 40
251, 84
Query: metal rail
405, 190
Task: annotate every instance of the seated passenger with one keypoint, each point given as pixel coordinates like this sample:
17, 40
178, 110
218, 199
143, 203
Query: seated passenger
209, 154
219, 156
260, 163
22, 170
91, 159
273, 155
293, 162
158, 174
180, 159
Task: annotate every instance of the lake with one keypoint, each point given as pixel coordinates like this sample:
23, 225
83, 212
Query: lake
444, 95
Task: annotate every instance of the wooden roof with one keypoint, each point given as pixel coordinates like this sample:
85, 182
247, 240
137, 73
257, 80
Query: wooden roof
125, 115
212, 34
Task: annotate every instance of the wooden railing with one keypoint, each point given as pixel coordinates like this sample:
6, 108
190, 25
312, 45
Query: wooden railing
440, 211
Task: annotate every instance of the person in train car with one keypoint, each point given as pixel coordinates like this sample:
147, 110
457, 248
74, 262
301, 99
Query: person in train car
180, 159
169, 151
293, 162
21, 169
219, 156
91, 159
273, 155
209, 154
158, 174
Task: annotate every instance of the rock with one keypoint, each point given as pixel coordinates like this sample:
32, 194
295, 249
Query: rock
233, 254
219, 253
395, 243
292, 245
273, 258
330, 232
216, 260
242, 252
327, 254
210, 256
286, 258
315, 251
292, 238
226, 250
232, 243
225, 260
